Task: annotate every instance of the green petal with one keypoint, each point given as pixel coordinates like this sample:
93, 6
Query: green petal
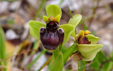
68, 29
58, 63
53, 10
92, 38
35, 28
45, 19
75, 20
89, 51
81, 33
57, 18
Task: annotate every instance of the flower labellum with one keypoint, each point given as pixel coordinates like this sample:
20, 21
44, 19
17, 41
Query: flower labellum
52, 35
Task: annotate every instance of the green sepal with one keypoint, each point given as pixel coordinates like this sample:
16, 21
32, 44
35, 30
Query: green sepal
35, 28
75, 20
68, 29
92, 38
53, 10
45, 19
58, 63
89, 51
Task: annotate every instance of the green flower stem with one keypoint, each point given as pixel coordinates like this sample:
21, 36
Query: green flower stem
55, 53
78, 65
60, 47
82, 65
30, 64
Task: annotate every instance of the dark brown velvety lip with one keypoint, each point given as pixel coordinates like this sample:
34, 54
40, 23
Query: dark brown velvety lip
83, 40
52, 36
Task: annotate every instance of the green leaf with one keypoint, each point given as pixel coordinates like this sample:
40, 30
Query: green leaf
111, 56
53, 10
107, 66
68, 29
58, 63
95, 64
2, 48
50, 63
103, 55
92, 38
71, 50
89, 51
98, 60
35, 28
75, 20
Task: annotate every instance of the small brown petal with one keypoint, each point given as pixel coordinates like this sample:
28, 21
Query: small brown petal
77, 57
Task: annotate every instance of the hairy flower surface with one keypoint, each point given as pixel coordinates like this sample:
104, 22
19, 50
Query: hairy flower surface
52, 35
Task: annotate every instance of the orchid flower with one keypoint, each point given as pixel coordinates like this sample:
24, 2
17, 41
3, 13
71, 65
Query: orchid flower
87, 45
51, 33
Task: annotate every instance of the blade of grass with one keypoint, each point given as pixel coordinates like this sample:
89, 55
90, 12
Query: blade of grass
94, 9
32, 62
2, 48
40, 7
36, 45
107, 7
71, 14
46, 63
18, 54
61, 1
